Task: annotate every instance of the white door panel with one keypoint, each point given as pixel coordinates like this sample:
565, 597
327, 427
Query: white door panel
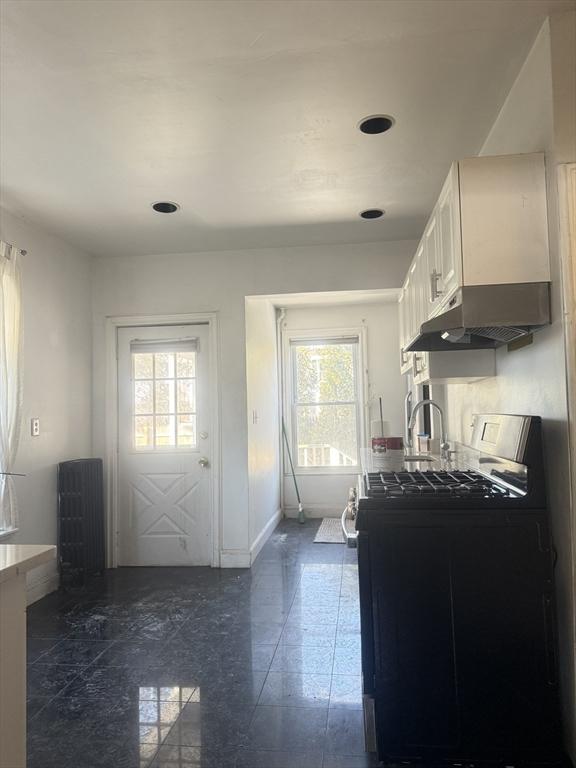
164, 446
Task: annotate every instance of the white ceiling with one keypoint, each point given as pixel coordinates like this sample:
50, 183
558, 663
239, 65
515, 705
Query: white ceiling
245, 113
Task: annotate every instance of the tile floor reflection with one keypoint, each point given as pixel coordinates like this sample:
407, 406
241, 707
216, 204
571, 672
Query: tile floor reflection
194, 667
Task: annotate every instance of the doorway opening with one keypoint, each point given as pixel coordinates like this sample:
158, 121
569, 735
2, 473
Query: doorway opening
319, 363
163, 484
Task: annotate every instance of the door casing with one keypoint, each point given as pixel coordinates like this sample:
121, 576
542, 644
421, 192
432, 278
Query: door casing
111, 426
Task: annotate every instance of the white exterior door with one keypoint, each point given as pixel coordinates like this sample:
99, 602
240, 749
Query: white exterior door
164, 444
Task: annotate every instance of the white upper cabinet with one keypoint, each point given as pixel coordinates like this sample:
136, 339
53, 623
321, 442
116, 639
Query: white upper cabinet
504, 220
488, 227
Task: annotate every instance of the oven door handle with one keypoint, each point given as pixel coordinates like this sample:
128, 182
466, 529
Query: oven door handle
349, 538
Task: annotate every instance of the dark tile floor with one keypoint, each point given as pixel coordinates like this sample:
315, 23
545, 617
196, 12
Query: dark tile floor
182, 668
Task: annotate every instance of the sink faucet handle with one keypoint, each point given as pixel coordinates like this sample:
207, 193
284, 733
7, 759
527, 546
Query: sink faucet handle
445, 451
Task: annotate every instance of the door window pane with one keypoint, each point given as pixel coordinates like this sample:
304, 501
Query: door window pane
143, 365
165, 397
186, 364
187, 396
164, 365
143, 397
186, 430
165, 431
144, 432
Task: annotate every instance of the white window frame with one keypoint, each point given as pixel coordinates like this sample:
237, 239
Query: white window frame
289, 337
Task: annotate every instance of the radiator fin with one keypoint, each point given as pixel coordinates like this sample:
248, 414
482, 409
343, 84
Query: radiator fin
80, 519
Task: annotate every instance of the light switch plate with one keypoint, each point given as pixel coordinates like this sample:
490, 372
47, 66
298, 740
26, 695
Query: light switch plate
35, 427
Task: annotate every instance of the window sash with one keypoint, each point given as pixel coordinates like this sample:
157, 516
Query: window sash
321, 342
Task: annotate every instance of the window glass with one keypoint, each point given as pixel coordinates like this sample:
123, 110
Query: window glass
164, 400
325, 373
186, 364
143, 365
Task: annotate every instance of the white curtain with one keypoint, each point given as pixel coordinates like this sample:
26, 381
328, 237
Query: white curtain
10, 378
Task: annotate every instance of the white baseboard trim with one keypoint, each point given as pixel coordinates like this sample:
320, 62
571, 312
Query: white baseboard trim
314, 511
41, 582
265, 534
234, 558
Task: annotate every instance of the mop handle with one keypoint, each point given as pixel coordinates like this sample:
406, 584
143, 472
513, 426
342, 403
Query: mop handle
290, 460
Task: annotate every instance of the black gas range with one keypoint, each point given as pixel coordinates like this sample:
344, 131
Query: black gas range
503, 464
457, 604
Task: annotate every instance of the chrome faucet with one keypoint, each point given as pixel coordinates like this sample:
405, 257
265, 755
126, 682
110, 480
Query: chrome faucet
444, 444
407, 414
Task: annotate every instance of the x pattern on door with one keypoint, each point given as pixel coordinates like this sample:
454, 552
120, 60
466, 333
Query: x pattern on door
163, 504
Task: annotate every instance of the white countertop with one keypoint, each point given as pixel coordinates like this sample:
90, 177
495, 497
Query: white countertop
19, 558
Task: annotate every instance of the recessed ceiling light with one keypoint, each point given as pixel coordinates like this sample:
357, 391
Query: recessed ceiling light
376, 124
166, 207
372, 213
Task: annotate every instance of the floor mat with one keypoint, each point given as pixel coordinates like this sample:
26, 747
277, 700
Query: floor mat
330, 531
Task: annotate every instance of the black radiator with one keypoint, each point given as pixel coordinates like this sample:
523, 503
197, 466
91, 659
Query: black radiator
80, 521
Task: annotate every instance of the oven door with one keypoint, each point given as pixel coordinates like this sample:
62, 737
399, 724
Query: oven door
367, 640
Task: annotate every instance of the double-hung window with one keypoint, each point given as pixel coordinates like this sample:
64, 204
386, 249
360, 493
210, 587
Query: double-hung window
325, 403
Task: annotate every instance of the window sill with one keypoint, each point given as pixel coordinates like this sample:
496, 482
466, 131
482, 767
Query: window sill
8, 532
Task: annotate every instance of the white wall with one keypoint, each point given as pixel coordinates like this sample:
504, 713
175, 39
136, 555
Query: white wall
326, 495
220, 281
532, 380
57, 357
262, 396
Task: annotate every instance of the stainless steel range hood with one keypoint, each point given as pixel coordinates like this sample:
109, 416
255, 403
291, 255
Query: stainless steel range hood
486, 316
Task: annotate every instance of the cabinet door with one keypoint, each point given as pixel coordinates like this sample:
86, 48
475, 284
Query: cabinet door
449, 262
432, 267
405, 357
422, 308
412, 294
415, 692
422, 367
420, 280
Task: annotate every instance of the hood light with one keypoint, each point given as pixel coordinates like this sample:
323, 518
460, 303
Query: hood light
456, 335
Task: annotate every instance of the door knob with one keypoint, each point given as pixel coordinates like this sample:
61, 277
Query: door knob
204, 462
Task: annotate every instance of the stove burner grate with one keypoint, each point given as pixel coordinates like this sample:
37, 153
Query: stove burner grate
430, 483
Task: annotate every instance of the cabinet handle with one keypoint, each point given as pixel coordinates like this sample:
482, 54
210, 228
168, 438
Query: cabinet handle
434, 292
